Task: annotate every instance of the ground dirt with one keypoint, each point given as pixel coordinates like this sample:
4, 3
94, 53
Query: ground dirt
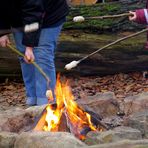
12, 93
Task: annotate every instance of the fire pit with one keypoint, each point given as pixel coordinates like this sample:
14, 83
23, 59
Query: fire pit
75, 122
67, 116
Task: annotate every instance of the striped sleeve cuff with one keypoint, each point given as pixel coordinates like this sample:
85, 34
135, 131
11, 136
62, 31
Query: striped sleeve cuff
146, 15
142, 16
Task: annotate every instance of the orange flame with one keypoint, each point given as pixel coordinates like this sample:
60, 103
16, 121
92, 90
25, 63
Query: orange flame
77, 118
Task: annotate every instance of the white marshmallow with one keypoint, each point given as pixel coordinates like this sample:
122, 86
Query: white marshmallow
31, 27
79, 19
49, 94
71, 65
26, 29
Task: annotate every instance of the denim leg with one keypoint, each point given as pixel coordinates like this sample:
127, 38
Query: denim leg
27, 72
44, 55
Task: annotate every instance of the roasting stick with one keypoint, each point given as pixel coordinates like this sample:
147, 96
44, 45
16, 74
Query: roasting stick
75, 63
49, 93
32, 62
82, 18
29, 28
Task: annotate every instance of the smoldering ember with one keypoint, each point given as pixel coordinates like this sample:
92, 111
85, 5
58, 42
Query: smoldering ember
102, 89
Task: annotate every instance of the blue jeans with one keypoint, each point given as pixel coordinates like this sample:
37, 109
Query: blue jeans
35, 83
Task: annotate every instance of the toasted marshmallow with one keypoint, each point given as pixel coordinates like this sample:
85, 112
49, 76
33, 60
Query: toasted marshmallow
49, 94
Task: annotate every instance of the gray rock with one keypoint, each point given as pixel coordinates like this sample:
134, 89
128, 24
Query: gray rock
139, 121
136, 103
47, 140
7, 139
123, 144
35, 110
127, 133
115, 135
15, 120
105, 104
113, 121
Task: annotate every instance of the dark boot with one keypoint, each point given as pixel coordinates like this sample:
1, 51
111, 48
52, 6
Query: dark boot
145, 74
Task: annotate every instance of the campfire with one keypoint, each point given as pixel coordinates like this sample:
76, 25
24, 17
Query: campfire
67, 116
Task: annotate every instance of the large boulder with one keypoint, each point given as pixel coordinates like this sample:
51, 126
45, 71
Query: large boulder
47, 140
139, 121
123, 144
105, 104
115, 135
7, 139
15, 120
134, 104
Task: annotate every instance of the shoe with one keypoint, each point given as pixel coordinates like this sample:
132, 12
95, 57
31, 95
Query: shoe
145, 74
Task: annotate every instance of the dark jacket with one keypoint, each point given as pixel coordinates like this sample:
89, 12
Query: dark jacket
18, 13
55, 10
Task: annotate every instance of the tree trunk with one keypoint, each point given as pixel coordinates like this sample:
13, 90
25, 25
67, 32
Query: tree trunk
9, 65
126, 56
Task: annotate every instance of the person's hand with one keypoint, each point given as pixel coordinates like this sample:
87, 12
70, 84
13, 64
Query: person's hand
133, 16
4, 41
29, 56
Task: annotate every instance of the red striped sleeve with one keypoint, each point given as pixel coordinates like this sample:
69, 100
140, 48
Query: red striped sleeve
142, 16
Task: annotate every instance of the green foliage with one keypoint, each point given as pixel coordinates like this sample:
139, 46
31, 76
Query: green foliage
105, 25
94, 10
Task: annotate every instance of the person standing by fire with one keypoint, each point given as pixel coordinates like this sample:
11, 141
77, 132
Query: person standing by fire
141, 16
38, 45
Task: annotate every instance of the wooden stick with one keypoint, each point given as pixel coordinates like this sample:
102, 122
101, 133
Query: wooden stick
113, 43
34, 63
109, 16
82, 19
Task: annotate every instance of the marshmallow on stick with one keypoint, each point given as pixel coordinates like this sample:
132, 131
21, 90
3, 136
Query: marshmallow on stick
79, 19
71, 65
49, 94
75, 63
82, 19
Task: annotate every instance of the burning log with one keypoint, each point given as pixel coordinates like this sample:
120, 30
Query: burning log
85, 130
40, 121
96, 119
66, 125
63, 124
67, 116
